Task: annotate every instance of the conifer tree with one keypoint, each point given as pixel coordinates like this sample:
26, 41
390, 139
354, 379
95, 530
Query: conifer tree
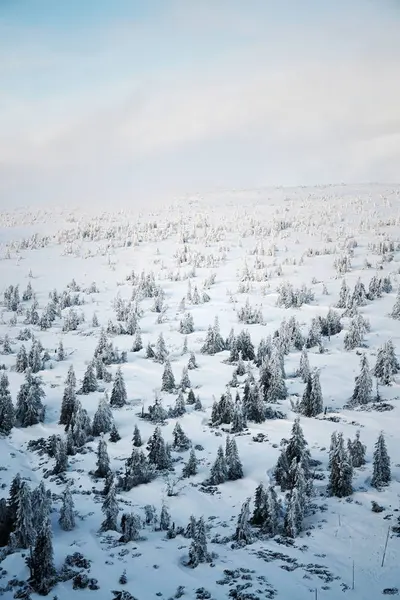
6, 406
363, 384
67, 513
341, 474
30, 409
12, 502
192, 363
110, 510
357, 451
386, 364
168, 379
191, 466
21, 364
343, 296
219, 470
149, 351
381, 464
304, 367
158, 455
238, 418
137, 342
103, 461
395, 313
234, 465
89, 383
114, 434
294, 515
161, 352
103, 418
185, 349
60, 352
185, 380
198, 550
191, 398
24, 533
179, 408
61, 457
118, 394
137, 438
41, 505
253, 406
71, 378
180, 440
243, 529
165, 518
270, 525
190, 531
41, 562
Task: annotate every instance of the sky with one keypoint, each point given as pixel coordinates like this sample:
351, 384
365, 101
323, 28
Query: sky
138, 101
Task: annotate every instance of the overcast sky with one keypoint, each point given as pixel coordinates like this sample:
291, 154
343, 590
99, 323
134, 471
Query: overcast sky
137, 100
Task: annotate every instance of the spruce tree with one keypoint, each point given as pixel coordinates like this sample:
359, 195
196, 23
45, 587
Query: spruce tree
41, 561
41, 505
219, 470
168, 379
24, 532
363, 384
6, 406
304, 367
260, 498
89, 383
12, 502
118, 394
179, 409
234, 465
341, 474
306, 405
61, 457
294, 515
103, 461
21, 364
201, 541
103, 418
272, 510
198, 405
161, 352
67, 513
137, 342
180, 440
243, 529
395, 313
165, 518
110, 510
114, 434
60, 351
192, 363
357, 451
30, 409
158, 454
137, 439
191, 398
381, 475
191, 466
185, 380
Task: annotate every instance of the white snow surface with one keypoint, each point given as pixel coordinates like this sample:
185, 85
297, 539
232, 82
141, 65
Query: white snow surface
221, 233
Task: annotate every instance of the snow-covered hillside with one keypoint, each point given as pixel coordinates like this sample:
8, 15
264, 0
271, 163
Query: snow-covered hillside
95, 293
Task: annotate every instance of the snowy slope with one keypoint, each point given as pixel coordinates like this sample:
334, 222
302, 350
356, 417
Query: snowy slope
297, 234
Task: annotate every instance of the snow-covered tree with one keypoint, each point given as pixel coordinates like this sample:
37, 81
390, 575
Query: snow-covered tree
381, 475
234, 465
21, 364
137, 438
304, 367
157, 451
41, 561
30, 409
161, 352
67, 512
243, 530
103, 461
190, 467
311, 404
61, 456
6, 406
41, 505
60, 351
341, 473
363, 384
395, 313
118, 394
180, 442
165, 518
357, 451
343, 295
131, 525
110, 510
219, 470
114, 434
185, 380
186, 325
89, 382
192, 364
24, 532
137, 342
168, 379
387, 364
103, 418
294, 515
198, 552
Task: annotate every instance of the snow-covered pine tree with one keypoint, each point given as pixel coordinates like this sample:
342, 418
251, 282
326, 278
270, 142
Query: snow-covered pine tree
191, 398
304, 366
305, 406
243, 530
131, 525
114, 434
260, 498
7, 418
179, 408
253, 406
34, 358
137, 342
395, 313
103, 461
89, 382
168, 379
192, 364
186, 325
219, 470
61, 457
190, 467
316, 394
272, 513
357, 451
12, 501
60, 351
21, 364
277, 387
238, 418
161, 352
30, 409
68, 404
41, 561
149, 351
157, 451
110, 510
137, 438
118, 395
294, 515
343, 295
198, 405
363, 384
181, 442
386, 364
381, 475
341, 473
67, 511
103, 418
185, 381
234, 465
41, 505
24, 533
165, 518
